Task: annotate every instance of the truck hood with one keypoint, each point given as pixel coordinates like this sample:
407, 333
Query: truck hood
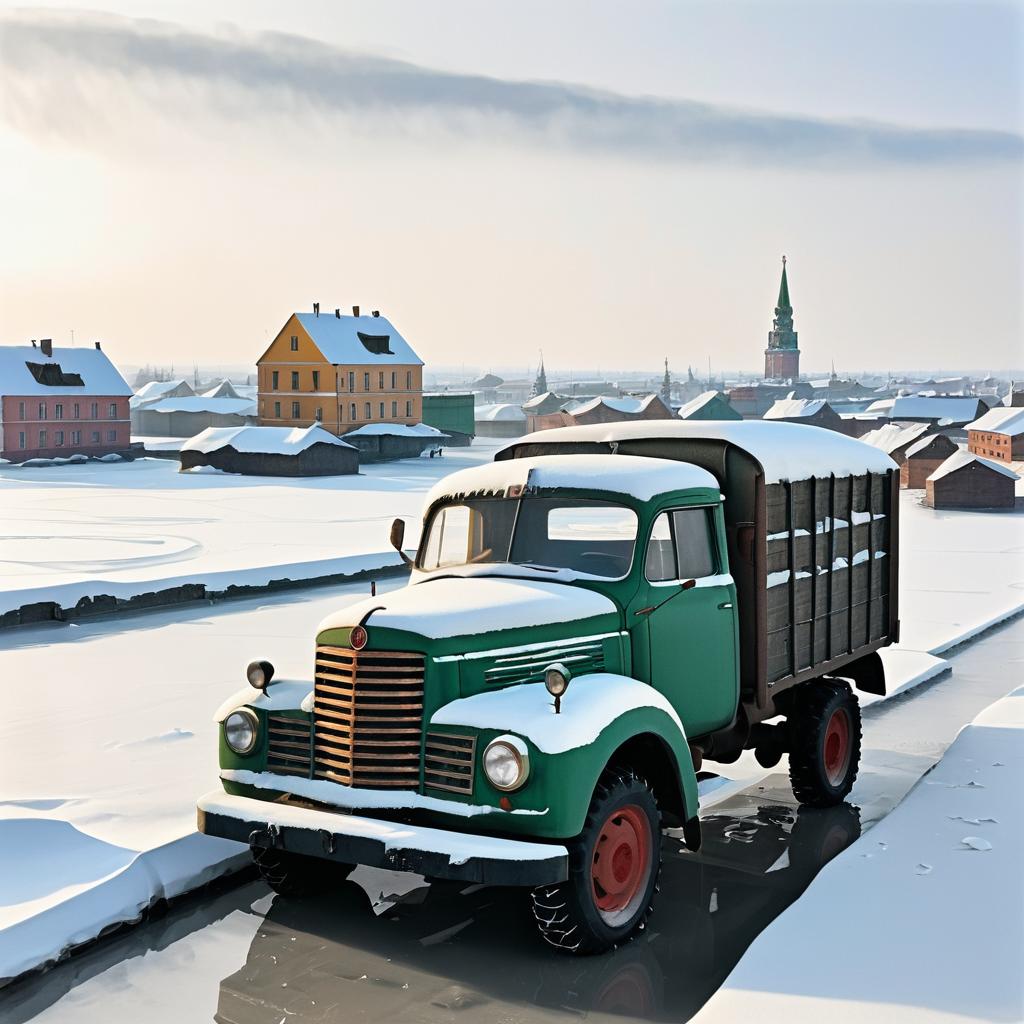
469, 606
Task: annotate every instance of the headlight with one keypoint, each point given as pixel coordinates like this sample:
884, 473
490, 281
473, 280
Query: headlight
240, 730
556, 679
259, 674
507, 763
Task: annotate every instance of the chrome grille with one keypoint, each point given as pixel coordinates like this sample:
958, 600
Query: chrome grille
368, 714
288, 750
448, 762
528, 667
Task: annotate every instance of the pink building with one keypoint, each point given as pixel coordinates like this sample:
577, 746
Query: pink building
60, 402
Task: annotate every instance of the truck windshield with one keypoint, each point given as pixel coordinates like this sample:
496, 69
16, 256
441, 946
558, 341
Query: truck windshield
593, 537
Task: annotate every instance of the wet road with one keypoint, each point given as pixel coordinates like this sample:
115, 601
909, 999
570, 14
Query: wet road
393, 949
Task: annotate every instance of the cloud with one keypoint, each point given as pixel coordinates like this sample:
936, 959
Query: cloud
67, 74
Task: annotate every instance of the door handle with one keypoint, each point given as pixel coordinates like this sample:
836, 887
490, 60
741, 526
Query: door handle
725, 605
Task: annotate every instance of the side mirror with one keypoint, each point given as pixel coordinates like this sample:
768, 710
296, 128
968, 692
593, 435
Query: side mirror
398, 539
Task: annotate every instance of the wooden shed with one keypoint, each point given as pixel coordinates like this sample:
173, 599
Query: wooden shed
923, 458
812, 412
968, 481
271, 451
710, 405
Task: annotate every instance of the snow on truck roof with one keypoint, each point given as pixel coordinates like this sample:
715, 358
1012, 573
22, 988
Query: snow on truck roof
639, 476
785, 451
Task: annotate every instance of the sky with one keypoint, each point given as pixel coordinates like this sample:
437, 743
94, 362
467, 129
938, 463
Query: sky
611, 184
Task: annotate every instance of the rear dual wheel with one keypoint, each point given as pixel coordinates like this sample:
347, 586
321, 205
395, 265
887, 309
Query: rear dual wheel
613, 871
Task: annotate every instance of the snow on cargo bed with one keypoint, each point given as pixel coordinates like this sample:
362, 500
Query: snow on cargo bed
640, 477
262, 440
786, 451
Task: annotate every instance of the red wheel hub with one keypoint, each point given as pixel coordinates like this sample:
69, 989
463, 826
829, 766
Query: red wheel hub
836, 747
622, 859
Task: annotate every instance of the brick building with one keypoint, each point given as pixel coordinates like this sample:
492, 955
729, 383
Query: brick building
923, 458
998, 434
968, 481
56, 402
812, 412
340, 371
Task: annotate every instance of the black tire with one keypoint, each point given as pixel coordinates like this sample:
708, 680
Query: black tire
568, 915
821, 712
296, 875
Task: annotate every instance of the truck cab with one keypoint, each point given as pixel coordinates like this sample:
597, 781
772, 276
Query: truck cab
529, 709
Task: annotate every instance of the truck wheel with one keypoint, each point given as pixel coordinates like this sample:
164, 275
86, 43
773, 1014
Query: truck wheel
293, 874
824, 736
613, 870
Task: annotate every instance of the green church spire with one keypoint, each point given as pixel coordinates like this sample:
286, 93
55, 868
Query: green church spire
783, 302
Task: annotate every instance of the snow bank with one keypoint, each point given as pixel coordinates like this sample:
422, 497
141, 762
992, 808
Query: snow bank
262, 440
922, 915
642, 478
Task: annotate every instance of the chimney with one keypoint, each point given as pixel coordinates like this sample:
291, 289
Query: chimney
97, 344
33, 342
46, 344
355, 311
376, 312
316, 309
337, 313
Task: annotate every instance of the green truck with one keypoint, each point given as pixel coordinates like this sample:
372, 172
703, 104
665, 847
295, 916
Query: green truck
588, 619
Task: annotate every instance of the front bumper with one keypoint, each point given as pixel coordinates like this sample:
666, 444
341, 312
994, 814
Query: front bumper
350, 839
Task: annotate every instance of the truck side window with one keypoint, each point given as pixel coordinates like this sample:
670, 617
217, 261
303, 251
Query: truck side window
695, 554
449, 538
661, 561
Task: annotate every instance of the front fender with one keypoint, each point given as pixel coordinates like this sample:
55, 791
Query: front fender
600, 713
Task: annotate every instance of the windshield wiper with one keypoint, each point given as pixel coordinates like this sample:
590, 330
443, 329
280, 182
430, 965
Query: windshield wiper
537, 566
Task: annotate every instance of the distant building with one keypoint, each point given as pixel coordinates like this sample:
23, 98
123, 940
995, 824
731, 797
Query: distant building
782, 356
752, 401
451, 412
383, 442
998, 434
930, 409
542, 405
270, 451
502, 419
895, 438
57, 402
967, 481
711, 405
923, 458
605, 409
188, 415
813, 412
339, 371
154, 390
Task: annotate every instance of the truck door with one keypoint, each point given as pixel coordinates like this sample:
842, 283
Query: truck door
692, 632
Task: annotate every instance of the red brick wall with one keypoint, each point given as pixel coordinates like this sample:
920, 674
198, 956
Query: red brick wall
991, 445
47, 434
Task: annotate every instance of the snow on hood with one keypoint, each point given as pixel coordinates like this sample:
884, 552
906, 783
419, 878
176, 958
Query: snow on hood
441, 608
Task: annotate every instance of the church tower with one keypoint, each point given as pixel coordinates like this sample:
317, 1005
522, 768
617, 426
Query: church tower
782, 356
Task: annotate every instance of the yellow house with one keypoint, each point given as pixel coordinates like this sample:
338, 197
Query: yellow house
340, 371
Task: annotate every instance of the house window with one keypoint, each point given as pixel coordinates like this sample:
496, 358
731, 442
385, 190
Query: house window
316, 380
296, 411
380, 377
76, 437
369, 411
95, 437
382, 410
366, 382
42, 410
394, 409
58, 411
408, 380
58, 438
277, 410
353, 411
21, 410
295, 380
319, 415
111, 436
274, 375
78, 411
394, 378
295, 343
113, 411
42, 438
21, 438
408, 409
94, 412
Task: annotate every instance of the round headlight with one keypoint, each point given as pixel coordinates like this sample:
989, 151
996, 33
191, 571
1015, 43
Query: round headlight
240, 731
507, 763
259, 674
556, 679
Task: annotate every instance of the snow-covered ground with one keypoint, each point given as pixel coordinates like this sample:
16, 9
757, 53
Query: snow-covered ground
121, 529
920, 919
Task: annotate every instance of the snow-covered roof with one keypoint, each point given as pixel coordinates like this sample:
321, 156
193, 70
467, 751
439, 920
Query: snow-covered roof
500, 411
696, 404
356, 339
225, 389
963, 458
795, 408
891, 436
641, 477
920, 407
1001, 420
397, 430
919, 446
262, 440
539, 399
626, 405
201, 403
155, 389
786, 451
99, 375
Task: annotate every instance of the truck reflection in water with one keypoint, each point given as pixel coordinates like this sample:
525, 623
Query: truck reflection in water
472, 951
